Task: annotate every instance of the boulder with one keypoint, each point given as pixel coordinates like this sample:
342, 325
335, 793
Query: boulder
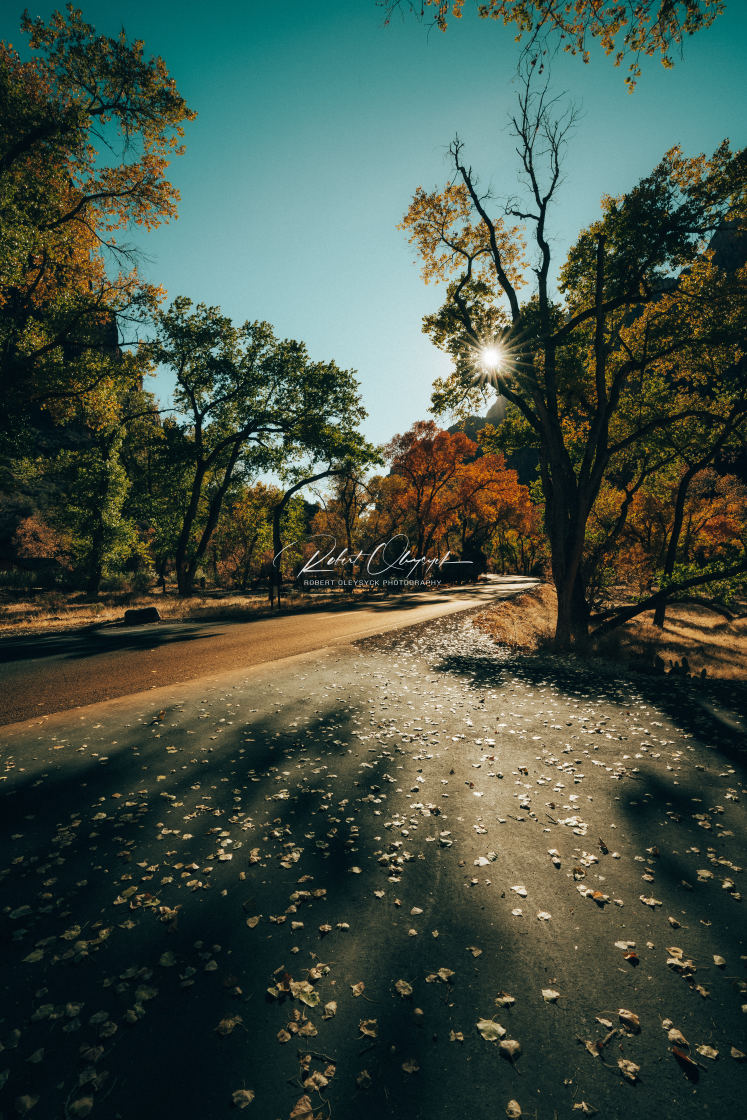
135, 615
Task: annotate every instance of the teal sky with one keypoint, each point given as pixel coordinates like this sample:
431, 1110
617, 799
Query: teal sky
316, 124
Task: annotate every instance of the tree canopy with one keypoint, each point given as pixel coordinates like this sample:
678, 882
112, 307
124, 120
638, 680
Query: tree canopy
246, 400
88, 128
642, 335
626, 29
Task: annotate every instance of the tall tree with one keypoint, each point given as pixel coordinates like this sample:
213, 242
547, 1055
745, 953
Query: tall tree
87, 129
589, 367
245, 400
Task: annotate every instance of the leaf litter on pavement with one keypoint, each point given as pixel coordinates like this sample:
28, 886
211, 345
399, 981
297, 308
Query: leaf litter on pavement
310, 869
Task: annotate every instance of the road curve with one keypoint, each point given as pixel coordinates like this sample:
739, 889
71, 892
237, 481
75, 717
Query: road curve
57, 672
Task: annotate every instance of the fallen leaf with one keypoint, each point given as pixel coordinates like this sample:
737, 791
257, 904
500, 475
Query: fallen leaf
403, 988
503, 999
549, 995
677, 1038
358, 989
369, 1027
303, 991
490, 1030
330, 1010
316, 1081
227, 1026
364, 1080
302, 1109
510, 1049
688, 1066
513, 1110
629, 1070
82, 1107
707, 1052
242, 1097
630, 1020
586, 1108
443, 974
25, 1103
410, 1066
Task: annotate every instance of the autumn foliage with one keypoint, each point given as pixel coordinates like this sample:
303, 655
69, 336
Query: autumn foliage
442, 494
626, 31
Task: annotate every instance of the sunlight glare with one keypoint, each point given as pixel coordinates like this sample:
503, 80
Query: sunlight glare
492, 358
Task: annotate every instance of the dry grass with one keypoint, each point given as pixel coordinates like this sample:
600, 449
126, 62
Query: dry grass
525, 622
53, 612
705, 638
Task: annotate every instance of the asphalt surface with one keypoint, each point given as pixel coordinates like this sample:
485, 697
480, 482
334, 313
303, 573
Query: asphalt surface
50, 673
315, 887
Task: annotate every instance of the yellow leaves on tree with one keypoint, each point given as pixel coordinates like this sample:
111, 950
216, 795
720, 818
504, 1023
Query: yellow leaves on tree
87, 130
441, 227
625, 30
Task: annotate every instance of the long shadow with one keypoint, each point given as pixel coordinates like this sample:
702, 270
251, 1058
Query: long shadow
699, 708
91, 643
109, 637
139, 920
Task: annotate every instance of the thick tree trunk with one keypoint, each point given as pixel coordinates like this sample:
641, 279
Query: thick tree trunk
572, 623
185, 574
95, 566
214, 509
566, 523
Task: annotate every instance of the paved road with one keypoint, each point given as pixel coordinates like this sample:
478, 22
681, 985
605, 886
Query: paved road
342, 876
41, 675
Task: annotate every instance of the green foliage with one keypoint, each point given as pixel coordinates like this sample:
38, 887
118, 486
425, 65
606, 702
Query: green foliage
247, 401
87, 128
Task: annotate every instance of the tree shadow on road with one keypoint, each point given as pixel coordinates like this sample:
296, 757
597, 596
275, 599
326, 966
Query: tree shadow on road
163, 875
704, 709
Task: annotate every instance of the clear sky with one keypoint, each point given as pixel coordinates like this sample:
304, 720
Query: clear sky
316, 124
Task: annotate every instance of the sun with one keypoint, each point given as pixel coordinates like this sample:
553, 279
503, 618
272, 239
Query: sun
491, 358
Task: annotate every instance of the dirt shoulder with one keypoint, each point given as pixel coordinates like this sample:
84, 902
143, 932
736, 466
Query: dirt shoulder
706, 639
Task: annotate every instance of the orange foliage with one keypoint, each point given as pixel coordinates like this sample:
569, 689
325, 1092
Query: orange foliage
442, 493
714, 525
